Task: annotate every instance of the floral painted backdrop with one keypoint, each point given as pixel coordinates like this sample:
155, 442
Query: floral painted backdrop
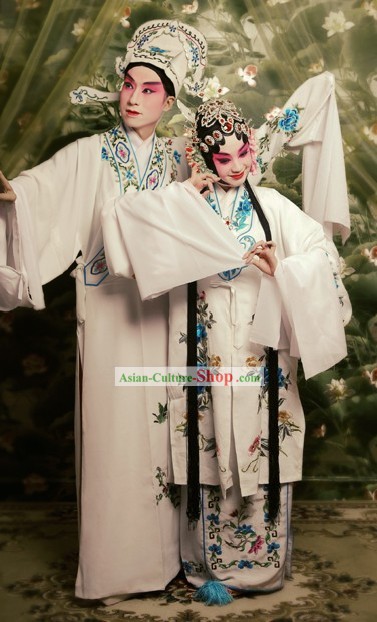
261, 50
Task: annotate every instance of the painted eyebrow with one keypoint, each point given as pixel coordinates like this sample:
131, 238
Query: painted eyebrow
127, 76
224, 153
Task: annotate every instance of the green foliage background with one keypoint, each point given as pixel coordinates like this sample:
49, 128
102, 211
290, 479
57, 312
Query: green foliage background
43, 56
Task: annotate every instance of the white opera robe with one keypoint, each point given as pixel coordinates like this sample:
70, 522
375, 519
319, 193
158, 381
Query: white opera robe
129, 540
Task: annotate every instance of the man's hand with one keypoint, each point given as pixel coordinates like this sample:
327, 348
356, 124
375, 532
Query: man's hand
262, 255
6, 191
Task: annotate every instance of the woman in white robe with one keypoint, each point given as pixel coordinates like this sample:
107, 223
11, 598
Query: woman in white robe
128, 516
289, 297
234, 541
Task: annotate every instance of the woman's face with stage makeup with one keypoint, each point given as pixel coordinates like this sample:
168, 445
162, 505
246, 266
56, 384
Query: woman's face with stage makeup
233, 161
143, 100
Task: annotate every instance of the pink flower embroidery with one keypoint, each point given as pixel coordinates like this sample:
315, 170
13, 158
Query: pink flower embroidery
254, 445
257, 545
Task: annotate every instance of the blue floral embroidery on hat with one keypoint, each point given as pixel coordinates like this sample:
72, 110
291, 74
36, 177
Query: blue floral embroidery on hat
142, 40
194, 55
177, 156
156, 50
79, 98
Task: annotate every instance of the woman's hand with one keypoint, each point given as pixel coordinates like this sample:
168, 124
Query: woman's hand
203, 182
6, 191
262, 255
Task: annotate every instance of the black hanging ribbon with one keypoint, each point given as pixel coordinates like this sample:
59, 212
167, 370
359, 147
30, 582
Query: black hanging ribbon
193, 485
193, 479
273, 395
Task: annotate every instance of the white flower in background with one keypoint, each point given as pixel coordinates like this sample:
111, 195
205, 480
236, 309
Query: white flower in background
80, 28
212, 89
371, 254
317, 67
273, 113
336, 22
337, 389
370, 9
248, 74
371, 132
275, 2
344, 269
320, 432
372, 376
124, 19
189, 9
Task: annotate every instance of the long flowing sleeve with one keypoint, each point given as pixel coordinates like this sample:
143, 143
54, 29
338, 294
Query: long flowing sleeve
13, 278
20, 283
310, 121
169, 237
42, 231
302, 299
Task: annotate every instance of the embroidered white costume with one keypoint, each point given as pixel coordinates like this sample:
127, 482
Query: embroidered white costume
121, 439
121, 451
233, 541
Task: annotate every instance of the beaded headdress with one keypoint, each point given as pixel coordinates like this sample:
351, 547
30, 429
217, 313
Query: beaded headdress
223, 113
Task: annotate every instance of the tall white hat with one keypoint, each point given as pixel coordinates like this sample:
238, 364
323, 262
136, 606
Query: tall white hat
176, 48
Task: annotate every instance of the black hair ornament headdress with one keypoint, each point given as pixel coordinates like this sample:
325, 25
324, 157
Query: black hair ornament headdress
215, 114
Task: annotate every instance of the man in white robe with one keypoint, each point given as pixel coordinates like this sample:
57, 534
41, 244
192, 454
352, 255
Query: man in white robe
128, 515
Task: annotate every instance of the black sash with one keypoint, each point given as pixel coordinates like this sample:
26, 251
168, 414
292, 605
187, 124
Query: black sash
193, 476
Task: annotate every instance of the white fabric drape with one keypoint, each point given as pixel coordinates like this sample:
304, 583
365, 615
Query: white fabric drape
318, 134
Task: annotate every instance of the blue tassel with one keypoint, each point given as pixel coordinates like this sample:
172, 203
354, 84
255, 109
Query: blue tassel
213, 593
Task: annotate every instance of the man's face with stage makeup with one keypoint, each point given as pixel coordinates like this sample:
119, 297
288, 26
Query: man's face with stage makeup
233, 161
143, 100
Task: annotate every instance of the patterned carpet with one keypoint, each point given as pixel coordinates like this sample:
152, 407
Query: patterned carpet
334, 572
